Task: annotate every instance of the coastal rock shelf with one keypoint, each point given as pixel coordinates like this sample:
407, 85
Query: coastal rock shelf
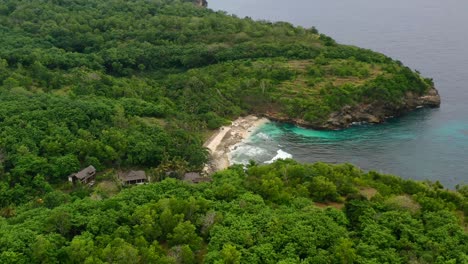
374, 113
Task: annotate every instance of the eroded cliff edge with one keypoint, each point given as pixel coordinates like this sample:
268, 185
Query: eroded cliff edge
374, 113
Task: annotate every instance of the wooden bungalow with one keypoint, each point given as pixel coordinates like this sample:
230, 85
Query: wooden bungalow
194, 177
133, 177
84, 176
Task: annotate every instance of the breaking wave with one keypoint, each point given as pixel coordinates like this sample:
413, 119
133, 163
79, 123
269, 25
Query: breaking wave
263, 136
244, 153
280, 154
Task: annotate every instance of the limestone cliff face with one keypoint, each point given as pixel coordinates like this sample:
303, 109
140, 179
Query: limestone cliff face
378, 112
374, 113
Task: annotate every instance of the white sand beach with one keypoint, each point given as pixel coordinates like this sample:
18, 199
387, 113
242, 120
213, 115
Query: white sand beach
222, 142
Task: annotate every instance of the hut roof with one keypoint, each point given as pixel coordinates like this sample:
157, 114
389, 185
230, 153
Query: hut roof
85, 173
133, 176
191, 176
195, 177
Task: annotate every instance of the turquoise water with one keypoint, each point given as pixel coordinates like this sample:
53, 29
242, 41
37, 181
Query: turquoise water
427, 35
411, 146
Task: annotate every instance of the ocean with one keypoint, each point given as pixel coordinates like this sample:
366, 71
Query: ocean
427, 35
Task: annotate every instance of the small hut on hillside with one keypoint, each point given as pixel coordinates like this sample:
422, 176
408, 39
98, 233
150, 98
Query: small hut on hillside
194, 177
84, 176
133, 177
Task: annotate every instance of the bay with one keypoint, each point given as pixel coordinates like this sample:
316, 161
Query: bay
427, 35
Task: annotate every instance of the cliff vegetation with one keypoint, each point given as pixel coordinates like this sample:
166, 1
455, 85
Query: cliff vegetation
137, 84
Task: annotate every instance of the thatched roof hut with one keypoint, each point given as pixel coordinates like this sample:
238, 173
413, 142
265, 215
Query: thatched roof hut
84, 176
133, 177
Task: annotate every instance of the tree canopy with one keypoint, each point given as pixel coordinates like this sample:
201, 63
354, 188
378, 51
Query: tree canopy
136, 83
124, 84
280, 213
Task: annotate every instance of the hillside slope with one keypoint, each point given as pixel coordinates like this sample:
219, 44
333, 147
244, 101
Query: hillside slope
125, 84
281, 213
138, 83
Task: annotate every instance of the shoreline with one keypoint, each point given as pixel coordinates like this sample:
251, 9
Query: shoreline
222, 143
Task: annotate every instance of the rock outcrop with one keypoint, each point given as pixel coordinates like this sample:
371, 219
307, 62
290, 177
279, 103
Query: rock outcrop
376, 112
202, 3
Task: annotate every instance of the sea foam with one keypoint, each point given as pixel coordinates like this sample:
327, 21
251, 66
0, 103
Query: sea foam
263, 136
280, 154
244, 153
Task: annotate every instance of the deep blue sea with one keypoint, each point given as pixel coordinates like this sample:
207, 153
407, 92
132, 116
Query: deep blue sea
430, 36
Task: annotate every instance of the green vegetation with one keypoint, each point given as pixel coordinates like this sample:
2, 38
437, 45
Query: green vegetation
267, 214
138, 83
125, 84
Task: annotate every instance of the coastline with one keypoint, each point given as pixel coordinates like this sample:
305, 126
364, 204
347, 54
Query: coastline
222, 143
372, 113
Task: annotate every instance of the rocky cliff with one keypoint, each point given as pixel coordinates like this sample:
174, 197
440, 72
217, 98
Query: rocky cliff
376, 112
202, 3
